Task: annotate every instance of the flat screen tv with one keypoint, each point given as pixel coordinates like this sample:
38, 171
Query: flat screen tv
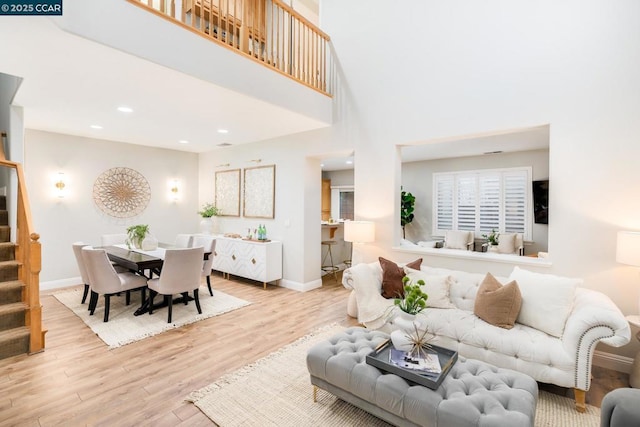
541, 201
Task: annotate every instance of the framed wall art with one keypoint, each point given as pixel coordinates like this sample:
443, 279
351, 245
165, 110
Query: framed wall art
259, 192
121, 192
228, 192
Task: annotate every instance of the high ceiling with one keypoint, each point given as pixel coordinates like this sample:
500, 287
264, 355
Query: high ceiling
71, 84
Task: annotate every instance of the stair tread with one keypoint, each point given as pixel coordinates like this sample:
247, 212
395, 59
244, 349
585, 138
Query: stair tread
11, 284
12, 308
20, 331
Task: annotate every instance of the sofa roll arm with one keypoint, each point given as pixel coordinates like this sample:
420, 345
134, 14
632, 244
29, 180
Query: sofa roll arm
594, 309
594, 318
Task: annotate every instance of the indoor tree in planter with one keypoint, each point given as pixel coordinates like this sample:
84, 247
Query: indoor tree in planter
407, 206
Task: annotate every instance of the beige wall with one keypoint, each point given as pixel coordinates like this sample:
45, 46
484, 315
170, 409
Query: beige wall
61, 222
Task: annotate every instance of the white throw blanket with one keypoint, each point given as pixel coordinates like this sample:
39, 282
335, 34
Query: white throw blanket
373, 308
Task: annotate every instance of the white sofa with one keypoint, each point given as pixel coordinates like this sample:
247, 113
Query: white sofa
564, 361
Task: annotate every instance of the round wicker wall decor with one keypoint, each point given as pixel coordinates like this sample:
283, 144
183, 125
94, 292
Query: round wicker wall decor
121, 192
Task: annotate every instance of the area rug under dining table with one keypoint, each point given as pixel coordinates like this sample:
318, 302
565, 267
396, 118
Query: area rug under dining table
276, 391
124, 328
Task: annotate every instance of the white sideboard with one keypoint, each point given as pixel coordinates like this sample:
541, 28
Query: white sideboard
255, 260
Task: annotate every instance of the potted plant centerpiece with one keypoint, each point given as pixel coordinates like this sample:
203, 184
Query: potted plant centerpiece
136, 235
413, 300
410, 337
492, 240
209, 213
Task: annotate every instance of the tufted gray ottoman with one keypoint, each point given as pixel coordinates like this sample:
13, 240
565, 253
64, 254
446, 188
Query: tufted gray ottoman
473, 394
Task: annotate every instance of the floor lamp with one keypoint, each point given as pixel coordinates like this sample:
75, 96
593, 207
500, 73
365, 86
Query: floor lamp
358, 232
628, 252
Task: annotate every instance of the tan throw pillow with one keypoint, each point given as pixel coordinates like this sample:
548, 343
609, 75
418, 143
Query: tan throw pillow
496, 304
392, 275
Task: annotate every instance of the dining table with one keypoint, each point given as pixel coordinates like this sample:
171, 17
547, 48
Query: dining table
146, 263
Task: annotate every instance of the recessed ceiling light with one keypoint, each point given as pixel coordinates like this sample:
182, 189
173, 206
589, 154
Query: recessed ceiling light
321, 165
95, 127
125, 109
223, 131
224, 144
183, 141
349, 162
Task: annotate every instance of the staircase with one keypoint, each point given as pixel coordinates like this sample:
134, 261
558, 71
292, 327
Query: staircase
21, 328
14, 334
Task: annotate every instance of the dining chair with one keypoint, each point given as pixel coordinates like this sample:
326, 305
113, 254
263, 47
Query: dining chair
113, 239
77, 251
183, 241
103, 279
209, 245
181, 273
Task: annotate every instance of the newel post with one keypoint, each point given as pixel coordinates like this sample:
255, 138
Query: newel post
32, 276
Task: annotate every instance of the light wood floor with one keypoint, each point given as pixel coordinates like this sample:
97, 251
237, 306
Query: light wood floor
78, 381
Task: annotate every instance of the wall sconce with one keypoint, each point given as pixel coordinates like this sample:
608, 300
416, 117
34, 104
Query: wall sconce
60, 185
174, 190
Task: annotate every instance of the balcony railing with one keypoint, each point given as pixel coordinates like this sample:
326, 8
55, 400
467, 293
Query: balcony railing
266, 30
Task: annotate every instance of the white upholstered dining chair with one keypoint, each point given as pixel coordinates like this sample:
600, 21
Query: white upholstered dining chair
103, 279
77, 251
208, 243
183, 241
181, 273
113, 239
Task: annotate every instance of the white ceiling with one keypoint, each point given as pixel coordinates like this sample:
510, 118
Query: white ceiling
71, 83
536, 138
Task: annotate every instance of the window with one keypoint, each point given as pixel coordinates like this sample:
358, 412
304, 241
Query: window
481, 201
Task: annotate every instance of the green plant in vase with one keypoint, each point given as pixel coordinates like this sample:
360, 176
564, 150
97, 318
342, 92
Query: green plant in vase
136, 234
414, 300
209, 210
492, 238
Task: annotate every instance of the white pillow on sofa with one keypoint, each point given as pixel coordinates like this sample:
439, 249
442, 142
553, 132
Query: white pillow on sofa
435, 286
547, 300
455, 239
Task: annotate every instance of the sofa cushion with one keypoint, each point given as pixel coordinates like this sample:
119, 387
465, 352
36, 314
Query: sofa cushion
547, 300
435, 286
496, 304
454, 239
507, 243
392, 275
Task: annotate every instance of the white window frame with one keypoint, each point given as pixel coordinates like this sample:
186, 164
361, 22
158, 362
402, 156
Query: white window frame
470, 179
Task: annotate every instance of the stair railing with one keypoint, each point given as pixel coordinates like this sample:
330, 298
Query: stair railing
28, 255
268, 31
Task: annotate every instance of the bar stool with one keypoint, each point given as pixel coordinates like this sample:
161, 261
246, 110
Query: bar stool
329, 268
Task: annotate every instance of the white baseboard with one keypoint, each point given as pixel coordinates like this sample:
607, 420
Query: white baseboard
612, 361
62, 283
301, 287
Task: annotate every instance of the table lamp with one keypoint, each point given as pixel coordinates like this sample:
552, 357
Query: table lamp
628, 248
628, 252
359, 232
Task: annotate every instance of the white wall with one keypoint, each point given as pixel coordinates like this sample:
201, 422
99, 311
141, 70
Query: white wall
60, 222
297, 201
417, 178
473, 67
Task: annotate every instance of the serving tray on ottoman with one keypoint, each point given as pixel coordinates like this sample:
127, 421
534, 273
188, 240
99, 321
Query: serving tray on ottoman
473, 393
380, 359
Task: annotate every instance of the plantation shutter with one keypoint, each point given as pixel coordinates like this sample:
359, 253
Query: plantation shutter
443, 205
490, 202
482, 201
515, 202
467, 192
